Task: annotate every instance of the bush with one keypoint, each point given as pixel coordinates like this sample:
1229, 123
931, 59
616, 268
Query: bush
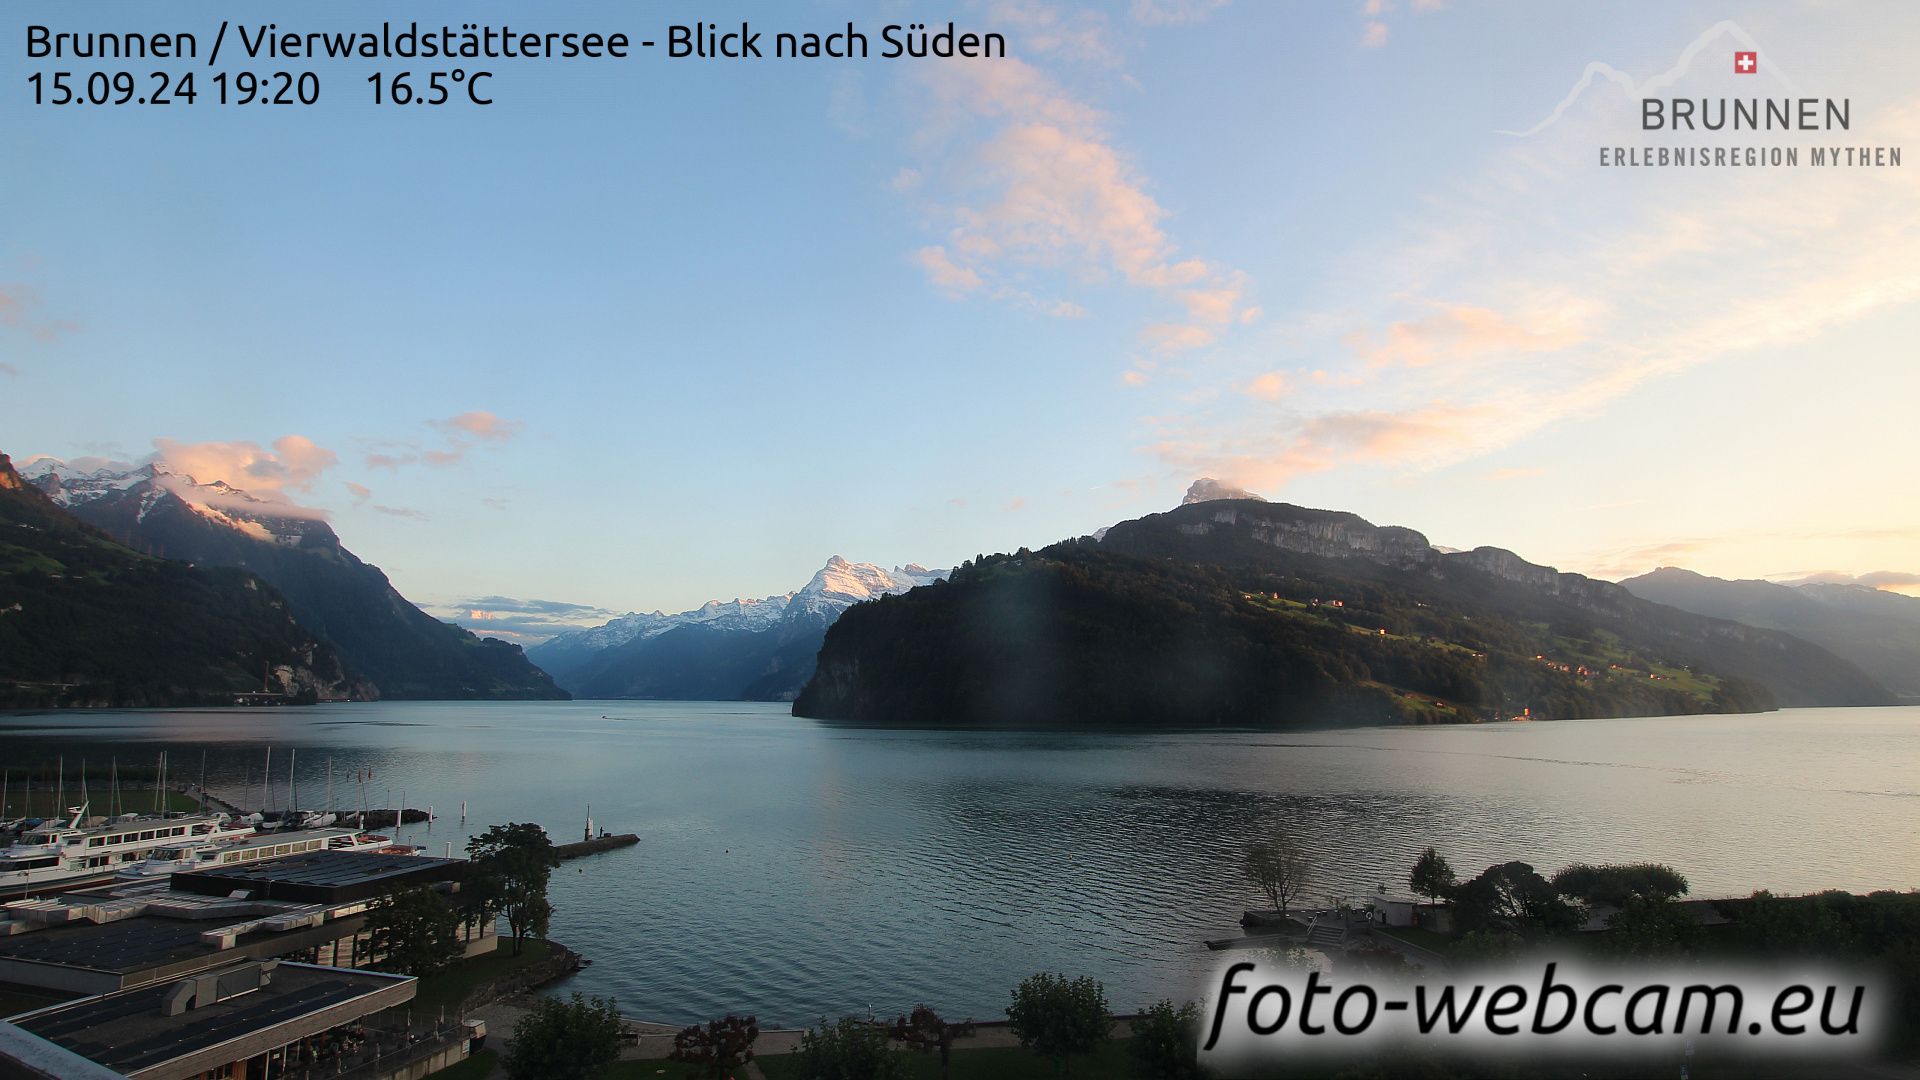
573, 1040
849, 1049
1166, 1042
1057, 1017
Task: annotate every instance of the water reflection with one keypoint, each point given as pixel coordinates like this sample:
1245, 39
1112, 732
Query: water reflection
799, 869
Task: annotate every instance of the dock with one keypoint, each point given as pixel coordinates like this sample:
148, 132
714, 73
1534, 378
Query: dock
598, 844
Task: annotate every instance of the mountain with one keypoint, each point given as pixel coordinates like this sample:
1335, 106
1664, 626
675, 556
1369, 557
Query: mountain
85, 620
1877, 630
399, 650
1254, 614
739, 650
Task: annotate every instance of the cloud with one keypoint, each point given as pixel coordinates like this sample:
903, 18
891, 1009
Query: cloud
1033, 189
1536, 287
1374, 35
1270, 386
950, 277
21, 308
484, 426
360, 492
524, 621
1377, 13
1174, 12
401, 512
1016, 504
1466, 332
8, 369
460, 434
1516, 473
293, 464
1632, 562
1073, 33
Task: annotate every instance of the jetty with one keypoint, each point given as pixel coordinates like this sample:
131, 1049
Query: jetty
595, 845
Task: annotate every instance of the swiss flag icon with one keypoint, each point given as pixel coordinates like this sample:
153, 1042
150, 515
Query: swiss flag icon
1746, 63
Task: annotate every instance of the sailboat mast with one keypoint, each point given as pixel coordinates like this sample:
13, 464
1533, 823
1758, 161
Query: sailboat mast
266, 782
293, 801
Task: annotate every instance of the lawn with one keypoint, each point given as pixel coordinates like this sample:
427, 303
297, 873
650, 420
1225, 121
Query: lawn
1444, 944
478, 1066
653, 1069
988, 1063
450, 987
44, 804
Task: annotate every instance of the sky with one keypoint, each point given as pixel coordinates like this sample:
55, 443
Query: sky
645, 333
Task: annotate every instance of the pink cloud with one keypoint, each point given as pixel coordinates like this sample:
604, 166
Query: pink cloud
293, 464
1042, 187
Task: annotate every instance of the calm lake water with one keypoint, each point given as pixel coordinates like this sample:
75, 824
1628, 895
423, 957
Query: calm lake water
796, 869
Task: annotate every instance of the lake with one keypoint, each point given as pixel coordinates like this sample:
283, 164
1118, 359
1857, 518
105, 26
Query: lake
798, 869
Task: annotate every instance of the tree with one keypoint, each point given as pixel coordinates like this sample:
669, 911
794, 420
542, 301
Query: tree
1432, 876
511, 865
923, 1030
1614, 885
1057, 1017
1281, 870
413, 931
572, 1040
850, 1049
719, 1048
1511, 899
1166, 1042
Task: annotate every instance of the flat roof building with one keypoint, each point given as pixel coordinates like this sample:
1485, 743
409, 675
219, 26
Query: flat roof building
239, 1021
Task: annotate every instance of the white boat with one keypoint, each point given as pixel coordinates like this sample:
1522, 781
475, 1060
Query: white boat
188, 854
75, 852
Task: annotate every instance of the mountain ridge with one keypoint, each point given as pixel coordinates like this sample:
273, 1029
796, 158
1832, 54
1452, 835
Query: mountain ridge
1249, 613
88, 621
760, 650
400, 651
1878, 630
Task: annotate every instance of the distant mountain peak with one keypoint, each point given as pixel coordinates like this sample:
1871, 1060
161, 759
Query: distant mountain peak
1207, 489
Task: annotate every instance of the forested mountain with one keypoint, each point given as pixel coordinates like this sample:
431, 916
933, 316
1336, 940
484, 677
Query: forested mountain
382, 638
85, 620
1245, 613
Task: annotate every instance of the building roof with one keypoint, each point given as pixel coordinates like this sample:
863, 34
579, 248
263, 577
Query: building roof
131, 1031
125, 946
321, 877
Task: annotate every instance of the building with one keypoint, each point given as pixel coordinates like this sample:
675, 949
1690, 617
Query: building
248, 1020
309, 908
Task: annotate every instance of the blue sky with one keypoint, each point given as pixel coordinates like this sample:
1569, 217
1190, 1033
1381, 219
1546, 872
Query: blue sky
650, 332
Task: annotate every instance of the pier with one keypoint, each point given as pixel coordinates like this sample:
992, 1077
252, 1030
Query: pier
596, 845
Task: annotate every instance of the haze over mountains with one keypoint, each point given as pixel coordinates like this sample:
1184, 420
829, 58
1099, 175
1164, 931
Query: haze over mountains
1878, 630
390, 647
738, 650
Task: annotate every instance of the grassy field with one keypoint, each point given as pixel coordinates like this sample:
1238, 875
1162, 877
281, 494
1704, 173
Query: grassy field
450, 987
43, 803
1443, 944
987, 1063
654, 1069
478, 1066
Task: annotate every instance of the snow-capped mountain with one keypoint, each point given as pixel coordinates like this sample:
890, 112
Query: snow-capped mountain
724, 649
383, 639
135, 491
